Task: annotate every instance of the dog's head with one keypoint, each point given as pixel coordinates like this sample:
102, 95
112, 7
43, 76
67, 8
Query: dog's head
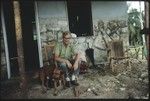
56, 73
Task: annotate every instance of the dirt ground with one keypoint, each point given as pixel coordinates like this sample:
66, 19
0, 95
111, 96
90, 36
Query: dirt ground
98, 83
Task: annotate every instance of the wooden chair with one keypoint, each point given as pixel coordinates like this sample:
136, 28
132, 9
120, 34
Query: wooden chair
57, 74
116, 53
48, 54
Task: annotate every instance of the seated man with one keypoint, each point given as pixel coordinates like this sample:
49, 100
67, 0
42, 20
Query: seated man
66, 59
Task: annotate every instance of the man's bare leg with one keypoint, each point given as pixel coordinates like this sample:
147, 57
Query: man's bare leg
75, 69
76, 63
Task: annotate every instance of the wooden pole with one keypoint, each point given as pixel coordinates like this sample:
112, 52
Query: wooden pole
23, 81
147, 26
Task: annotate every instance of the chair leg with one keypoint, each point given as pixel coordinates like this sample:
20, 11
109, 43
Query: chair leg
129, 64
63, 82
55, 88
112, 66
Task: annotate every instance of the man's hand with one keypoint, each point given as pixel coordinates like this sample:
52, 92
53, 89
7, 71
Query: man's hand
68, 64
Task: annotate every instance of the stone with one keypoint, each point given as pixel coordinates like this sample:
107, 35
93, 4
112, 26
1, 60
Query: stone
146, 81
122, 89
144, 75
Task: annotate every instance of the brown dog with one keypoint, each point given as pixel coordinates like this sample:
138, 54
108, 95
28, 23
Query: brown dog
58, 79
45, 74
54, 75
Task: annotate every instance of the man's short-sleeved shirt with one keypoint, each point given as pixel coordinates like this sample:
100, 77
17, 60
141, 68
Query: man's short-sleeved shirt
64, 52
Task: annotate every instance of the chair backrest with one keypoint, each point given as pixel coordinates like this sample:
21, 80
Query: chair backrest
116, 48
49, 54
48, 51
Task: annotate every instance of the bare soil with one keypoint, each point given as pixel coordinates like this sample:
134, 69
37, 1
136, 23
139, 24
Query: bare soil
98, 83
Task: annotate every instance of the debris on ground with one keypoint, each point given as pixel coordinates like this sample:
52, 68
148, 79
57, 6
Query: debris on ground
96, 83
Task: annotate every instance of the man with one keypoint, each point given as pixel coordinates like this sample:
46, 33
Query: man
67, 60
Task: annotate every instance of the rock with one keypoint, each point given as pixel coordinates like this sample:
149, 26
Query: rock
122, 89
88, 89
131, 93
146, 81
140, 79
144, 97
94, 92
93, 88
124, 79
144, 75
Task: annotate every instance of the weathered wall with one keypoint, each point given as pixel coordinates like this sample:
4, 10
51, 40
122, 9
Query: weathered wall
53, 19
107, 11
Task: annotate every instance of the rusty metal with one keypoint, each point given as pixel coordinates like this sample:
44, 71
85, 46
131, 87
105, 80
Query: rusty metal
23, 81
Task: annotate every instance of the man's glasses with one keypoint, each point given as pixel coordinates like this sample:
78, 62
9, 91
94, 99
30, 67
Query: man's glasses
67, 38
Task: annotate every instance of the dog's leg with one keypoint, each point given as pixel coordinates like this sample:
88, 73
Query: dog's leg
43, 87
60, 86
60, 83
55, 88
63, 81
47, 80
42, 77
76, 91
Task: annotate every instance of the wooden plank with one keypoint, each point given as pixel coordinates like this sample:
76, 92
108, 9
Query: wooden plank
116, 48
147, 26
23, 81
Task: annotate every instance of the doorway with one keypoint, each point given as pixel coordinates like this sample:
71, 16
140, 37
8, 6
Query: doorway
29, 42
80, 17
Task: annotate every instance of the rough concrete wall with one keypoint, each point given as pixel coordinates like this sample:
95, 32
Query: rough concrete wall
53, 19
106, 12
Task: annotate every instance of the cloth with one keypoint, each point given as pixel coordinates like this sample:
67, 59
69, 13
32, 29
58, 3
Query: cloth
64, 52
68, 73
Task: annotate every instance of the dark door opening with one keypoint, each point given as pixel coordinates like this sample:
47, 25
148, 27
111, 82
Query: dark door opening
80, 17
30, 45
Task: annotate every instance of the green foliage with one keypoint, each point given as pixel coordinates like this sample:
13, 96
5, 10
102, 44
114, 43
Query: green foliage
134, 26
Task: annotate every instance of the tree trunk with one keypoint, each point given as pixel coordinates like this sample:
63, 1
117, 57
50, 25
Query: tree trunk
23, 81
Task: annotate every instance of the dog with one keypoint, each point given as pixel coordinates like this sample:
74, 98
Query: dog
54, 75
59, 80
45, 74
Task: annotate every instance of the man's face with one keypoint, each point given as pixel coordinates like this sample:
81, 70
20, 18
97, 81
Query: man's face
66, 39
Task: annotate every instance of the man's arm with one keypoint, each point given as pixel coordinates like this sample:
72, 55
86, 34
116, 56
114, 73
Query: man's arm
57, 53
58, 58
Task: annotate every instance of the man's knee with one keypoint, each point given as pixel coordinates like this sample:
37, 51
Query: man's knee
63, 66
77, 57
